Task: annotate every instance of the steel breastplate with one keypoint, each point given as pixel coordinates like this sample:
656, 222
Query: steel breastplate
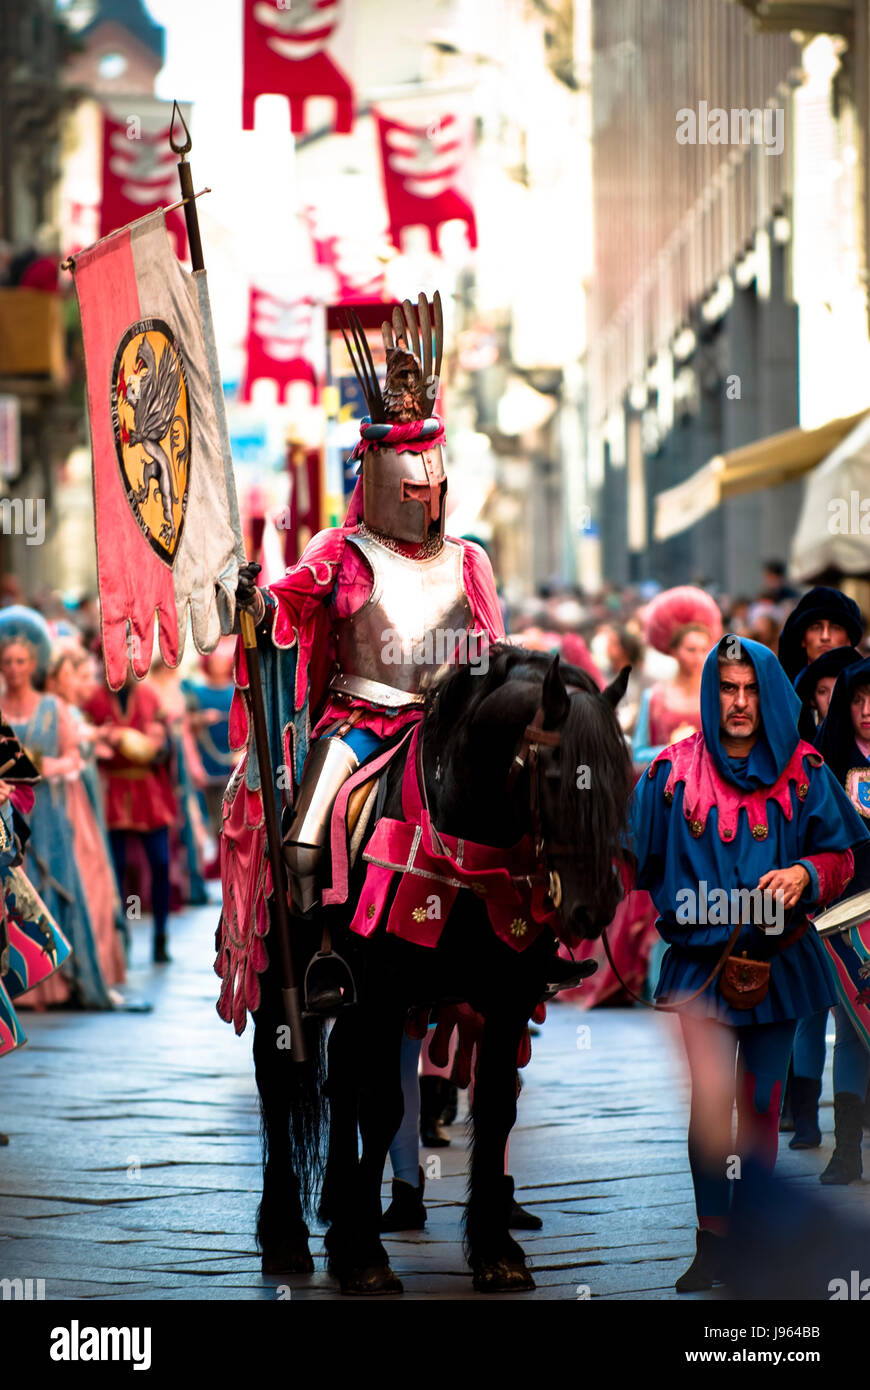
409, 627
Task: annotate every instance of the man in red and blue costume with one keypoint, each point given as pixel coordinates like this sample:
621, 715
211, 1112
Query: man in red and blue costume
743, 805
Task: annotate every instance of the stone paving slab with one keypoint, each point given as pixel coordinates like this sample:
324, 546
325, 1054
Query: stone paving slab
134, 1168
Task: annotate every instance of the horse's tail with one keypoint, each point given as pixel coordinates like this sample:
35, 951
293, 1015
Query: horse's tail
309, 1113
294, 1118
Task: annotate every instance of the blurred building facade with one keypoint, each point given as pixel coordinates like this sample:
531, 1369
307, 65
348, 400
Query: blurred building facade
729, 350
38, 419
115, 53
694, 337
830, 276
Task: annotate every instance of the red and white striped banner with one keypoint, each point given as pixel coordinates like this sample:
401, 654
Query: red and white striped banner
357, 276
426, 170
285, 54
278, 343
139, 168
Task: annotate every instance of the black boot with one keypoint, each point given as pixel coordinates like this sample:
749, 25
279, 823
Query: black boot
520, 1219
161, 954
567, 974
451, 1104
845, 1165
433, 1098
406, 1211
705, 1269
805, 1092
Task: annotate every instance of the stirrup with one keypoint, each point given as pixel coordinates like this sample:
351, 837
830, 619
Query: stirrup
572, 974
328, 985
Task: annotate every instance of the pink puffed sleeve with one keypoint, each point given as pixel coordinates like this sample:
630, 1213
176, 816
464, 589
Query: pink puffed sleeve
481, 590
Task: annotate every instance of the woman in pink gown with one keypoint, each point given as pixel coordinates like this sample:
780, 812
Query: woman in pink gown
684, 623
64, 679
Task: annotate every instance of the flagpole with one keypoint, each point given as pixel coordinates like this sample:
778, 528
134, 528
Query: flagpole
280, 914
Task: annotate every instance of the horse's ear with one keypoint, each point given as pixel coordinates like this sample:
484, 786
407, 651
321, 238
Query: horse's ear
555, 700
616, 689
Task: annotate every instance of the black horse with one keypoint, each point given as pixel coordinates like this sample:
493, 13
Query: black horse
573, 792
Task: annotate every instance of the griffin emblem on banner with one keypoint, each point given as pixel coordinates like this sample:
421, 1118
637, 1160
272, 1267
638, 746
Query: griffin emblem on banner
151, 421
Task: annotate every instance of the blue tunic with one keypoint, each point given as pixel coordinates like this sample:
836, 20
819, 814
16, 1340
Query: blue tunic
213, 740
671, 859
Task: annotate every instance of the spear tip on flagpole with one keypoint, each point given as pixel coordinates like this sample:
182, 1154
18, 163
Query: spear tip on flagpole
181, 148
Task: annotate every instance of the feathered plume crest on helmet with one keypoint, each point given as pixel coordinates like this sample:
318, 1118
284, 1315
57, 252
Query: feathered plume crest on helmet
412, 378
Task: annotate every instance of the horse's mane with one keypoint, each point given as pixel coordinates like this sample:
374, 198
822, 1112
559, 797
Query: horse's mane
593, 817
453, 700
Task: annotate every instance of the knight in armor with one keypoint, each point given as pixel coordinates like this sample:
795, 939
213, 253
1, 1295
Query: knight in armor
348, 641
352, 634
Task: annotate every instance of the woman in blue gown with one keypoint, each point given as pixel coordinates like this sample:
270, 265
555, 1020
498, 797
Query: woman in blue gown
45, 730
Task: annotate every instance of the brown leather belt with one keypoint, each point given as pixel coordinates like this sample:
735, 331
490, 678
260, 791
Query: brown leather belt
375, 692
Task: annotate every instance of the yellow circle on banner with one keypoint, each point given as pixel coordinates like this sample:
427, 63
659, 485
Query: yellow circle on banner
151, 422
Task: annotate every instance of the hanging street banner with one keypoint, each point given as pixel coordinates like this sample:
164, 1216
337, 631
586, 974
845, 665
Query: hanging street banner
139, 166
426, 172
277, 345
165, 508
284, 53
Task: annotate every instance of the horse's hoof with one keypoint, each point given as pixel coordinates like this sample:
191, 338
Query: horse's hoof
503, 1276
373, 1279
288, 1259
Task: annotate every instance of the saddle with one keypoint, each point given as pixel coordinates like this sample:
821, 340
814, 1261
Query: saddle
329, 985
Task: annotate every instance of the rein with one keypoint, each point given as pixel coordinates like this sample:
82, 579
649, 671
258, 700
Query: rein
536, 736
532, 736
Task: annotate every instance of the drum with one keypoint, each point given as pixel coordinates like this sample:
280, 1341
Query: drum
139, 748
845, 933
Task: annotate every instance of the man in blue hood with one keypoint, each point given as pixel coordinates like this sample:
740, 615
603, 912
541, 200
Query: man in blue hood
738, 831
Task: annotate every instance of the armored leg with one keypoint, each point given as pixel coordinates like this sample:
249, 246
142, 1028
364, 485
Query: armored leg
329, 763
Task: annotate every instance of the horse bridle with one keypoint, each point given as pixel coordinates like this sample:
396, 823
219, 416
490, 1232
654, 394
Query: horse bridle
534, 737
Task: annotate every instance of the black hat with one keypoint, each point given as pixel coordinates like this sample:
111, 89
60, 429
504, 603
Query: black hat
830, 663
836, 740
816, 605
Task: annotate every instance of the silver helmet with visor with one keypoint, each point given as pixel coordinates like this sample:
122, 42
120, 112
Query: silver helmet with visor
404, 484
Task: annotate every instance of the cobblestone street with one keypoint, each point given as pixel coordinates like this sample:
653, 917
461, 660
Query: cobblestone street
133, 1167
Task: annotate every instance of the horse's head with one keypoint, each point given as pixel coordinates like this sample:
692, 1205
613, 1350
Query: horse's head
579, 783
533, 747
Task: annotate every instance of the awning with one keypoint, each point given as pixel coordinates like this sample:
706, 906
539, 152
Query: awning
768, 462
833, 529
